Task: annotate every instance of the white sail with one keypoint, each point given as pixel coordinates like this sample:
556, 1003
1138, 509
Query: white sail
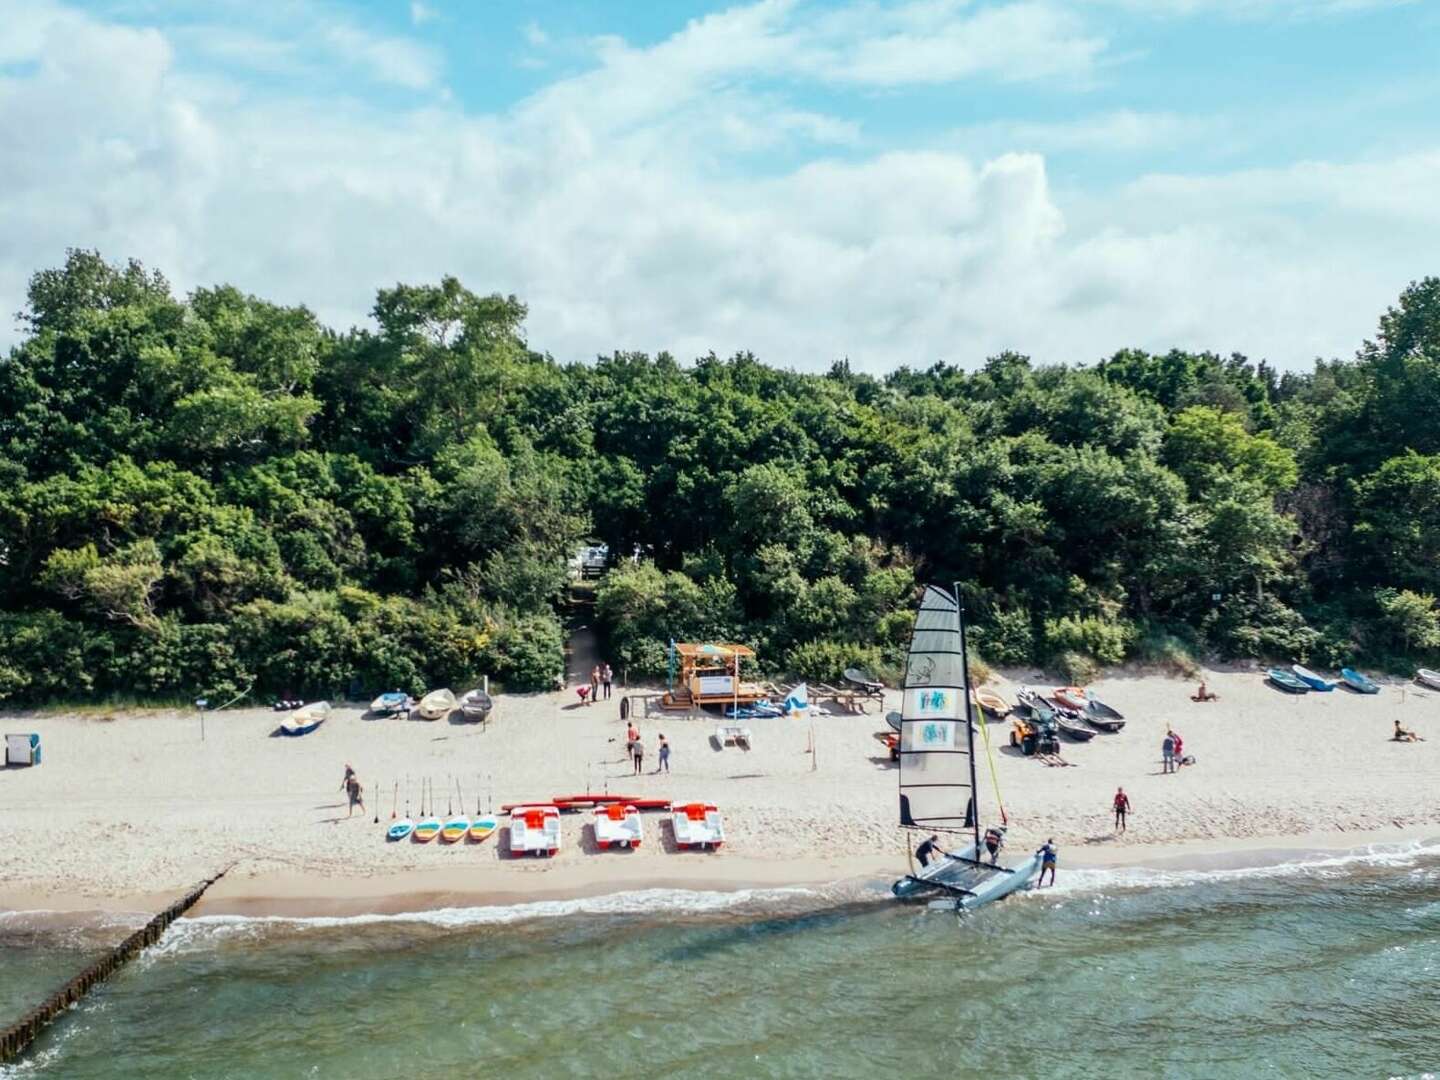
937, 778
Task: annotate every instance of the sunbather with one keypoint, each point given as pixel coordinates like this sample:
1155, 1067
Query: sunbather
1204, 694
1404, 735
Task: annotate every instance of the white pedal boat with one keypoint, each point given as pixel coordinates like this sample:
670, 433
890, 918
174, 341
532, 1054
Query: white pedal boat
617, 826
697, 825
535, 830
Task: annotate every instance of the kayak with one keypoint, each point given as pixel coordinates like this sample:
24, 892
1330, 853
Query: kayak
400, 829
482, 827
1361, 684
426, 830
454, 829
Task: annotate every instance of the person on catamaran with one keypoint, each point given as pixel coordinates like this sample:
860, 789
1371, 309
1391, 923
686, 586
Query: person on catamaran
1048, 857
994, 841
929, 848
1122, 807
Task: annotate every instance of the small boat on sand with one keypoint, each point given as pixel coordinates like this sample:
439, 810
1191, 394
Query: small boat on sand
482, 826
436, 705
1311, 679
617, 825
455, 828
1072, 728
305, 719
1361, 684
389, 704
1098, 714
426, 829
697, 826
399, 830
1427, 677
1284, 680
535, 830
475, 705
992, 703
1072, 697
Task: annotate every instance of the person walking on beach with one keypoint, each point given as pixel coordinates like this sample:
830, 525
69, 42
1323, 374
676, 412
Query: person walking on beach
664, 755
595, 683
1048, 857
637, 754
1122, 807
355, 793
1167, 752
606, 678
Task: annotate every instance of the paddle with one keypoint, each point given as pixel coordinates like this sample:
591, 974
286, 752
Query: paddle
448, 811
394, 800
378, 789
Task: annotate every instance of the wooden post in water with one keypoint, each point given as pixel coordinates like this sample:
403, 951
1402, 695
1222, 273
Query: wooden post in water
18, 1036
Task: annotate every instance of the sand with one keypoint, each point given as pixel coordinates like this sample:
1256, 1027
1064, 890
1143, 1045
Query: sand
132, 807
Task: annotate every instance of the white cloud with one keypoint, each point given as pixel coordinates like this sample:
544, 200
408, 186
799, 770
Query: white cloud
611, 202
534, 35
421, 13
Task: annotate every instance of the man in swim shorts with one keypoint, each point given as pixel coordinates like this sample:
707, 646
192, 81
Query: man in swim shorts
1122, 807
1047, 861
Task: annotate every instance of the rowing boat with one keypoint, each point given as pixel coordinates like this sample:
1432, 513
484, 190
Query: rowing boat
1312, 679
1284, 680
1361, 684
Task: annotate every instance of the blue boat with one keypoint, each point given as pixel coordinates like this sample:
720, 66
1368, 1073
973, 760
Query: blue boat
1311, 679
391, 703
1284, 680
1361, 684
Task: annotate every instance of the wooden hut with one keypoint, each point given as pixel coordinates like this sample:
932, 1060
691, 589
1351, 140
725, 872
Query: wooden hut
710, 674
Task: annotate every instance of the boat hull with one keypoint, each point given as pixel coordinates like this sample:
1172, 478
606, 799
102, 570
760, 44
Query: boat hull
1426, 677
985, 884
1311, 679
1361, 684
1283, 680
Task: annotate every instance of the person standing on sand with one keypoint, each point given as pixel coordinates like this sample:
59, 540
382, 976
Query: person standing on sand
637, 752
606, 678
1048, 858
595, 683
1122, 807
355, 792
664, 755
1167, 752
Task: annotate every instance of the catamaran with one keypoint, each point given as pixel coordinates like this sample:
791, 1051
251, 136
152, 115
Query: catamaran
937, 764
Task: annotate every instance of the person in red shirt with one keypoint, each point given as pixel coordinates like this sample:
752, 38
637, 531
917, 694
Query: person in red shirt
1122, 807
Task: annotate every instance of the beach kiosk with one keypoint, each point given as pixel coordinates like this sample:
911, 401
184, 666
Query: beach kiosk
709, 674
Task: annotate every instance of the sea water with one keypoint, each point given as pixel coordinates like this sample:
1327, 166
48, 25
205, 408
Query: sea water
1321, 967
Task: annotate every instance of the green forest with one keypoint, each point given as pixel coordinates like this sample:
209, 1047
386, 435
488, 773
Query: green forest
209, 493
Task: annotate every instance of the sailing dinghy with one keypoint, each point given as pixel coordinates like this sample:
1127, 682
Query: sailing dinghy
937, 764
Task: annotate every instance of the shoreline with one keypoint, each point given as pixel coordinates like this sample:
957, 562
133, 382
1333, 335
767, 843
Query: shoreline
311, 896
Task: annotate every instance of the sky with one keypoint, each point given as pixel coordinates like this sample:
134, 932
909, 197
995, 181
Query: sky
888, 183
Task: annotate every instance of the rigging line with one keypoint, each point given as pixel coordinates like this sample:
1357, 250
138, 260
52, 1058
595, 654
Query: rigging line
990, 757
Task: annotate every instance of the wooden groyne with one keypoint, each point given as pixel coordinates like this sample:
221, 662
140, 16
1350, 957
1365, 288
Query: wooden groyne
19, 1035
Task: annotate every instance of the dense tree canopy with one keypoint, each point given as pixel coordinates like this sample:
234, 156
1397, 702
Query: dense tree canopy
203, 494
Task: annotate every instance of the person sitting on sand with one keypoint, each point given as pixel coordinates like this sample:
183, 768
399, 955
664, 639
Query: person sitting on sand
1404, 735
929, 848
1203, 694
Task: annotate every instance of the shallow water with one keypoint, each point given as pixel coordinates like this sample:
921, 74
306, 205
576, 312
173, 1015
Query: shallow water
1326, 969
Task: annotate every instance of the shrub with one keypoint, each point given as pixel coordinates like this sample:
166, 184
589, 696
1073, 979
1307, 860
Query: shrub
826, 661
1007, 638
527, 652
1104, 640
1077, 668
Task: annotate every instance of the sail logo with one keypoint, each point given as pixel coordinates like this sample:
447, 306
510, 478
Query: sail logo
933, 701
931, 734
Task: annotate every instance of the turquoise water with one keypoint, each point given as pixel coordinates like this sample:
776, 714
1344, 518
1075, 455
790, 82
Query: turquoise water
1327, 969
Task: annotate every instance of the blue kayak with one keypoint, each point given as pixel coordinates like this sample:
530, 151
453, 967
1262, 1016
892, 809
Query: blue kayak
1361, 684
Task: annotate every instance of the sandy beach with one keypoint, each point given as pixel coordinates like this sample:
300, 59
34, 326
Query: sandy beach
129, 808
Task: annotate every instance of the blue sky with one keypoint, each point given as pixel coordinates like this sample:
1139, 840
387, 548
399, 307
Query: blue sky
892, 182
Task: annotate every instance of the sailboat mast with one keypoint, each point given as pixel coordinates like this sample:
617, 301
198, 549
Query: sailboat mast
969, 727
